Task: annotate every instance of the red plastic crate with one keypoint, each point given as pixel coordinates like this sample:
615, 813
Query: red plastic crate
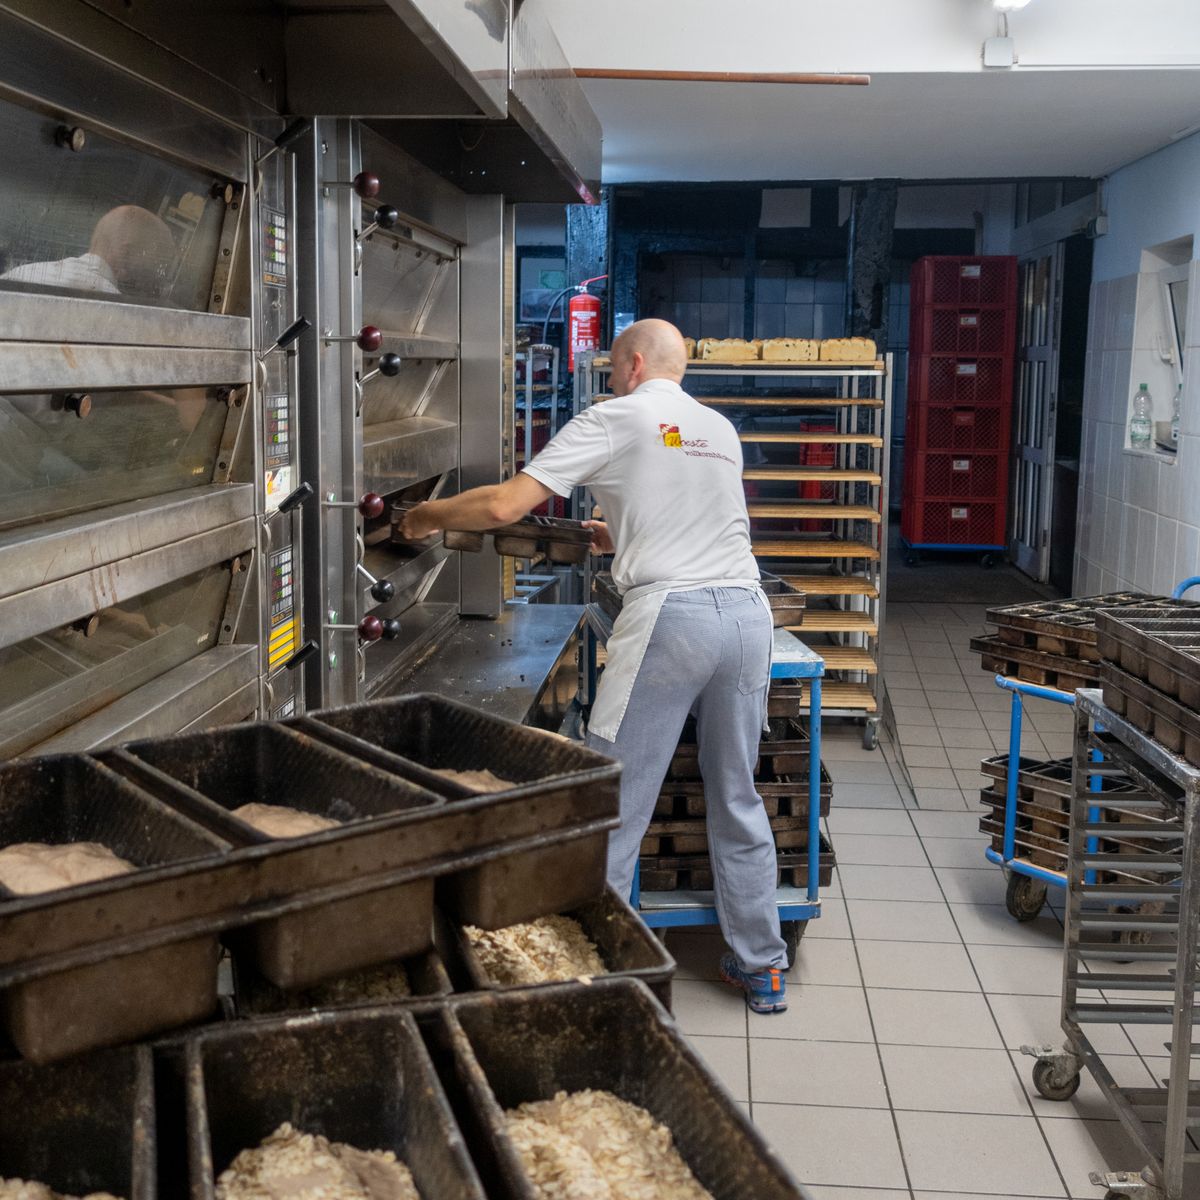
971, 474
933, 523
964, 281
949, 329
949, 427
953, 379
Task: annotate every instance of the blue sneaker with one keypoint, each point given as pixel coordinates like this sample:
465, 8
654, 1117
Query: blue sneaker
766, 991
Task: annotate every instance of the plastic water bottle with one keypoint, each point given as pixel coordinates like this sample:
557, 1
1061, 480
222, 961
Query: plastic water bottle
1141, 426
1175, 415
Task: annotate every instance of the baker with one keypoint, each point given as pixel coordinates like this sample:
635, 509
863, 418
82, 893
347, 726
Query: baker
694, 633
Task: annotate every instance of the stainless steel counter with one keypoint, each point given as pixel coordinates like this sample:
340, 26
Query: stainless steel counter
523, 666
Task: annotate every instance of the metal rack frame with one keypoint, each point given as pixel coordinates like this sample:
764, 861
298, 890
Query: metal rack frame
1164, 810
859, 416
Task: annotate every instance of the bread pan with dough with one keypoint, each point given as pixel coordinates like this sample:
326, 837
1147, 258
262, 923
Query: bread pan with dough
85, 1125
363, 1078
548, 828
70, 977
626, 947
611, 1035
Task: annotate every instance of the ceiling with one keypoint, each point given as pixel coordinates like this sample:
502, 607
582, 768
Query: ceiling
966, 125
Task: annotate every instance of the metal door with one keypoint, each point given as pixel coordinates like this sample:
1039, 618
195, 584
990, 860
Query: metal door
1039, 304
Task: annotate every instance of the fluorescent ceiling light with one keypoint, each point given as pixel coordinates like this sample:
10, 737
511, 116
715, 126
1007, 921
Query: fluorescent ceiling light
1009, 5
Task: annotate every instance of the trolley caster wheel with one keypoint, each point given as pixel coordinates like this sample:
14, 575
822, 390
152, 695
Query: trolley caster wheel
912, 558
988, 561
870, 738
792, 932
1024, 897
1052, 1087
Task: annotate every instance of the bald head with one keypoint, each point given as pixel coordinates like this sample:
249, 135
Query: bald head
650, 349
137, 246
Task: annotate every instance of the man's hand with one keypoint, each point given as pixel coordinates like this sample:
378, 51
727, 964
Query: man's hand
415, 524
602, 542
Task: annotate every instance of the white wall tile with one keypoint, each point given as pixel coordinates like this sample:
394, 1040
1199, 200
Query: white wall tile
1144, 549
1125, 560
1166, 534
1187, 552
1191, 336
1141, 483
1188, 466
1190, 409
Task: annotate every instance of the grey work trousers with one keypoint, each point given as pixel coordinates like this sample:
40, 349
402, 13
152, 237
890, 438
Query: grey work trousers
709, 654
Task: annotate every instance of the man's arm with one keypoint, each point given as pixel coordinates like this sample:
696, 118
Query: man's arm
480, 508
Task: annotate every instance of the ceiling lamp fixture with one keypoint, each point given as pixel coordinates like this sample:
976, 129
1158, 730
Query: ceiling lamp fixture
1001, 51
1009, 5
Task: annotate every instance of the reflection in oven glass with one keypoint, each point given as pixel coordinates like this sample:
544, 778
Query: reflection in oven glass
53, 680
108, 221
66, 453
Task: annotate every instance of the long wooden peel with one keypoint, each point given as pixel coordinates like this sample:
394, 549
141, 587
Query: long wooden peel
805, 77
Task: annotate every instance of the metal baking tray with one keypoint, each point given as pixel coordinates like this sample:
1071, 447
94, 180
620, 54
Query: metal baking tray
784, 751
1163, 651
518, 1046
1153, 712
1066, 620
363, 1078
787, 603
559, 539
86, 1125
256, 997
604, 592
207, 775
693, 872
1057, 671
123, 994
627, 948
562, 794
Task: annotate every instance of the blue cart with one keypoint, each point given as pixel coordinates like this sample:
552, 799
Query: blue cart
792, 659
1027, 882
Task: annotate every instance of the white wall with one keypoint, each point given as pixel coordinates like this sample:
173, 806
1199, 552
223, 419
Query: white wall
1139, 515
870, 35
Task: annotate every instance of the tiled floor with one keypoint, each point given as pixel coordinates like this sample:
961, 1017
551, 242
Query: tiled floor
896, 1073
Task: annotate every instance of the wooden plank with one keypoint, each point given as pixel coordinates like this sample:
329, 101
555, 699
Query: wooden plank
785, 402
833, 621
800, 510
810, 475
853, 697
832, 585
801, 548
814, 439
847, 658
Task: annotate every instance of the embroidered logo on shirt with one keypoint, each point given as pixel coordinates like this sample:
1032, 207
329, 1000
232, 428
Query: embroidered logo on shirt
694, 447
671, 436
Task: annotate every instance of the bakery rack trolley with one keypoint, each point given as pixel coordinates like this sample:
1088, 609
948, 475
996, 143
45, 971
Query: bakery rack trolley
791, 659
1161, 884
851, 534
1027, 882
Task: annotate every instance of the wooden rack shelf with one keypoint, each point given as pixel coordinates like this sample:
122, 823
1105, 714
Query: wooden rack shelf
833, 585
835, 620
848, 658
812, 548
810, 475
800, 510
814, 439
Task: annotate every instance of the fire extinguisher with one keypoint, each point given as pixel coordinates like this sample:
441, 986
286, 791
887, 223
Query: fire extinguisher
583, 321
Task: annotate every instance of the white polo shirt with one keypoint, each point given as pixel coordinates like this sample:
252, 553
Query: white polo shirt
667, 474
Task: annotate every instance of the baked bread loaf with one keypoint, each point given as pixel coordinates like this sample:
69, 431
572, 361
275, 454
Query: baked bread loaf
689, 344
790, 350
726, 350
848, 350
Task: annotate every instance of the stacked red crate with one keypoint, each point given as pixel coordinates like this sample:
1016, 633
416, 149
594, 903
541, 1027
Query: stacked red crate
962, 352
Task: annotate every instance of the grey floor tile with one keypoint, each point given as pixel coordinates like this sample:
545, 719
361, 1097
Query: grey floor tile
816, 1012
965, 757
992, 700
918, 1018
832, 923
910, 921
969, 885
910, 692
954, 1080
963, 717
857, 771
845, 748
887, 822
1018, 970
729, 1059
955, 699
946, 824
889, 882
991, 925
962, 853
932, 777
942, 799
1089, 1103
1080, 1147
925, 756
1037, 1021
841, 1074
917, 966
839, 1146
708, 1009
1009, 1157
877, 849
965, 1196
969, 739
830, 962
824, 1192
971, 779
867, 795
918, 735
